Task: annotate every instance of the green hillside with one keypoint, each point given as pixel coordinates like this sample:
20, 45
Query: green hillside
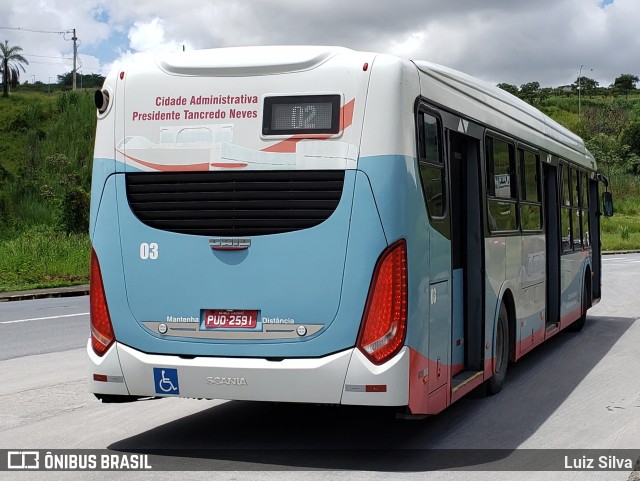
610, 126
46, 145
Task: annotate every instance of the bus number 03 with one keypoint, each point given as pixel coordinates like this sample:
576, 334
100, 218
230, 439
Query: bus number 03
149, 251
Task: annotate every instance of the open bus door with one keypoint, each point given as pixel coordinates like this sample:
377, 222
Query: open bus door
467, 238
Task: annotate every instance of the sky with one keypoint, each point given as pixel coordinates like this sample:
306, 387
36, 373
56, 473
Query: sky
510, 41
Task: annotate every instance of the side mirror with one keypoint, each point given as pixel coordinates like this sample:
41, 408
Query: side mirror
607, 204
603, 179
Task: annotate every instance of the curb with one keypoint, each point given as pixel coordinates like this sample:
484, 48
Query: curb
72, 291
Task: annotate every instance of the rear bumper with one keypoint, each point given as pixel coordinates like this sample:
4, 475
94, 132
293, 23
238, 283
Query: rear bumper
340, 378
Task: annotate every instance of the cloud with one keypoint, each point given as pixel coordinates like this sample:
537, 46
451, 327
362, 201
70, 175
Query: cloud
513, 41
150, 37
145, 38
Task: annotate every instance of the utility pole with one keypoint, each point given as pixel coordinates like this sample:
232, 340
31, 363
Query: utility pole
64, 33
579, 92
75, 57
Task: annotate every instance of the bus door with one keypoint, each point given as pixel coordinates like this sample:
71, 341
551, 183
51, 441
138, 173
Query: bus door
456, 321
594, 233
552, 233
433, 174
467, 255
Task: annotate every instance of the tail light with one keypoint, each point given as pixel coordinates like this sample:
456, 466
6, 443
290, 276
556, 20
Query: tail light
384, 323
101, 329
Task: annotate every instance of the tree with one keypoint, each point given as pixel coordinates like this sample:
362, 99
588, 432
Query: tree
625, 83
530, 92
545, 93
631, 136
609, 120
587, 85
612, 156
512, 89
12, 61
87, 81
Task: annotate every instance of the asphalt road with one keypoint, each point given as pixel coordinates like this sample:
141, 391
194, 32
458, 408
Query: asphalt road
42, 326
577, 391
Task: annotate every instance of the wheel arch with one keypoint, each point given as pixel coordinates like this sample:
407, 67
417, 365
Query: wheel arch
506, 297
510, 304
587, 286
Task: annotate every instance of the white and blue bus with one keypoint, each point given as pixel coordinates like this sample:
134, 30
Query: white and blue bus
319, 225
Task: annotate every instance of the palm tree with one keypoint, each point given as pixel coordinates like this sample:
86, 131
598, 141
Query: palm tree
12, 62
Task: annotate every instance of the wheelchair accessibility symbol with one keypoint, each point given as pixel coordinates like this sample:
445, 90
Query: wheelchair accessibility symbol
166, 380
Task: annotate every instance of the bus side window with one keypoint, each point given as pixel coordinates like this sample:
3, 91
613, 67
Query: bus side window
565, 211
575, 212
530, 187
431, 164
584, 209
501, 185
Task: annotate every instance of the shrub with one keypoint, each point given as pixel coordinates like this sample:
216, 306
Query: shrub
73, 212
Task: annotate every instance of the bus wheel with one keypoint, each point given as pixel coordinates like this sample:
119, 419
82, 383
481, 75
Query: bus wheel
494, 385
578, 324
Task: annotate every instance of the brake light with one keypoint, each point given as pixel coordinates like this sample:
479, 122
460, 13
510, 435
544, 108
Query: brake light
384, 323
101, 329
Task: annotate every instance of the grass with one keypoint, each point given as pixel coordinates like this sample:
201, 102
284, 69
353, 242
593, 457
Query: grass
46, 141
41, 257
565, 118
622, 231
35, 126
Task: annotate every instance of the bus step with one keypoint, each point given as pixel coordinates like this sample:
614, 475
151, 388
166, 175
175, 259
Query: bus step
552, 326
465, 377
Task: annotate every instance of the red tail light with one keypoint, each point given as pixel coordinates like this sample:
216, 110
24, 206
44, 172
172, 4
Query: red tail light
384, 323
101, 329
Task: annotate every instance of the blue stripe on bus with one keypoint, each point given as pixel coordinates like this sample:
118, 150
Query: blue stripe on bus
366, 241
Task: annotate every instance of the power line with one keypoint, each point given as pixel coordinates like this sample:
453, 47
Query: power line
61, 32
45, 56
46, 63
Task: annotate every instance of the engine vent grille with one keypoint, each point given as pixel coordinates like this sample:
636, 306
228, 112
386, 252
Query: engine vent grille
234, 203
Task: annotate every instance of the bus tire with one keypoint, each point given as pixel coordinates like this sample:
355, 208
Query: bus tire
494, 385
578, 324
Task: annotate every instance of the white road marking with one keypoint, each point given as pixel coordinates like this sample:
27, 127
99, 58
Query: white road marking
45, 318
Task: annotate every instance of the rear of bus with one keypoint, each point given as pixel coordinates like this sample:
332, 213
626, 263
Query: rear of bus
238, 251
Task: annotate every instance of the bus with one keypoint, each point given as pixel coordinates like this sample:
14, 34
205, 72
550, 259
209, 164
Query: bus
320, 225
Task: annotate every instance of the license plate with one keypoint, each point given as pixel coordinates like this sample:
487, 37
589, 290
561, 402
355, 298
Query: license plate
229, 319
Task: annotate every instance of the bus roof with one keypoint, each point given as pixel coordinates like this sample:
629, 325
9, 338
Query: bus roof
248, 61
551, 136
480, 101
